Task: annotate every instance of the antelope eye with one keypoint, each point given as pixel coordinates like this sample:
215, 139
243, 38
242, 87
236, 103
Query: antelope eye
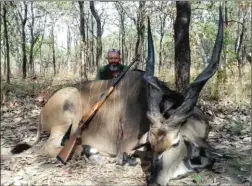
176, 141
175, 144
160, 156
157, 157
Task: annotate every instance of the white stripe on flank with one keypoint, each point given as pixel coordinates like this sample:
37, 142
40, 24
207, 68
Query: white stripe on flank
103, 111
100, 91
89, 97
127, 95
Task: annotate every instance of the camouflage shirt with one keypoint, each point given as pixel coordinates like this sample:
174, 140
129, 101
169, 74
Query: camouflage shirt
105, 73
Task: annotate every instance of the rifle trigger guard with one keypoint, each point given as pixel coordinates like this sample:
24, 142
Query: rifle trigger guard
78, 141
78, 136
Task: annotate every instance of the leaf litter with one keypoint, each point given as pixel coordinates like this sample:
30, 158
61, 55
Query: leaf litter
230, 135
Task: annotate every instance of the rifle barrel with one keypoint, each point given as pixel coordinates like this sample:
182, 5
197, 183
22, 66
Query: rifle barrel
124, 72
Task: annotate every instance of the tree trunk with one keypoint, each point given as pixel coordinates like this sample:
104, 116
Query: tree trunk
182, 47
119, 40
87, 27
88, 61
53, 49
121, 13
223, 69
239, 54
201, 51
123, 39
40, 48
6, 40
2, 53
162, 26
5, 57
226, 13
83, 40
99, 34
238, 30
82, 21
32, 43
68, 49
140, 31
24, 19
92, 42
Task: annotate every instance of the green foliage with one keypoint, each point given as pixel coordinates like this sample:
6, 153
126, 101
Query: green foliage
199, 179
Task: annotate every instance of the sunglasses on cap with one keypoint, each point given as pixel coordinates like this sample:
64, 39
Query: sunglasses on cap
114, 50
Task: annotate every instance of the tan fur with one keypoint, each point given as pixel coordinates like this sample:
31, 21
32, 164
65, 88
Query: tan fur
116, 126
160, 139
57, 121
119, 115
175, 158
195, 130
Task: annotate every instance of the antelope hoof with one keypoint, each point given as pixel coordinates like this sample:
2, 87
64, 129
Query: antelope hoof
92, 154
96, 159
124, 158
120, 159
89, 151
132, 161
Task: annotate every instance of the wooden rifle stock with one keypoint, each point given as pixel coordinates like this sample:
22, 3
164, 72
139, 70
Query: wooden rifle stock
66, 152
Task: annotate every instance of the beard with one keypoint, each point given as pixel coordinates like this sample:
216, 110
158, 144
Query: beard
114, 67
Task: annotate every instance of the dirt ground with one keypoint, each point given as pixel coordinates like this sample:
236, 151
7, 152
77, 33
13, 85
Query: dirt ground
230, 135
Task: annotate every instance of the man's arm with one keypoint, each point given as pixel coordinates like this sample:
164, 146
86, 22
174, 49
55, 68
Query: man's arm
123, 67
99, 74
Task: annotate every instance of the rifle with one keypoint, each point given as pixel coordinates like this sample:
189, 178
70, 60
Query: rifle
66, 152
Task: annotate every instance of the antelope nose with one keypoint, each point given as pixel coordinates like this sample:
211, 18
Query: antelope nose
155, 184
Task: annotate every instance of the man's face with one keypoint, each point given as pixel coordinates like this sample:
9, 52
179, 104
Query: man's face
113, 58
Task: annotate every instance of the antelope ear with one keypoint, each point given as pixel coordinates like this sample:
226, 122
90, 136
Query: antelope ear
198, 142
202, 143
143, 143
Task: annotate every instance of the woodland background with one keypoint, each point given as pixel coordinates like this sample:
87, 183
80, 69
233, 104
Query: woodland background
48, 40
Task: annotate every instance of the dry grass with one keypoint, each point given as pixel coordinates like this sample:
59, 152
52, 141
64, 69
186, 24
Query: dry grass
235, 90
